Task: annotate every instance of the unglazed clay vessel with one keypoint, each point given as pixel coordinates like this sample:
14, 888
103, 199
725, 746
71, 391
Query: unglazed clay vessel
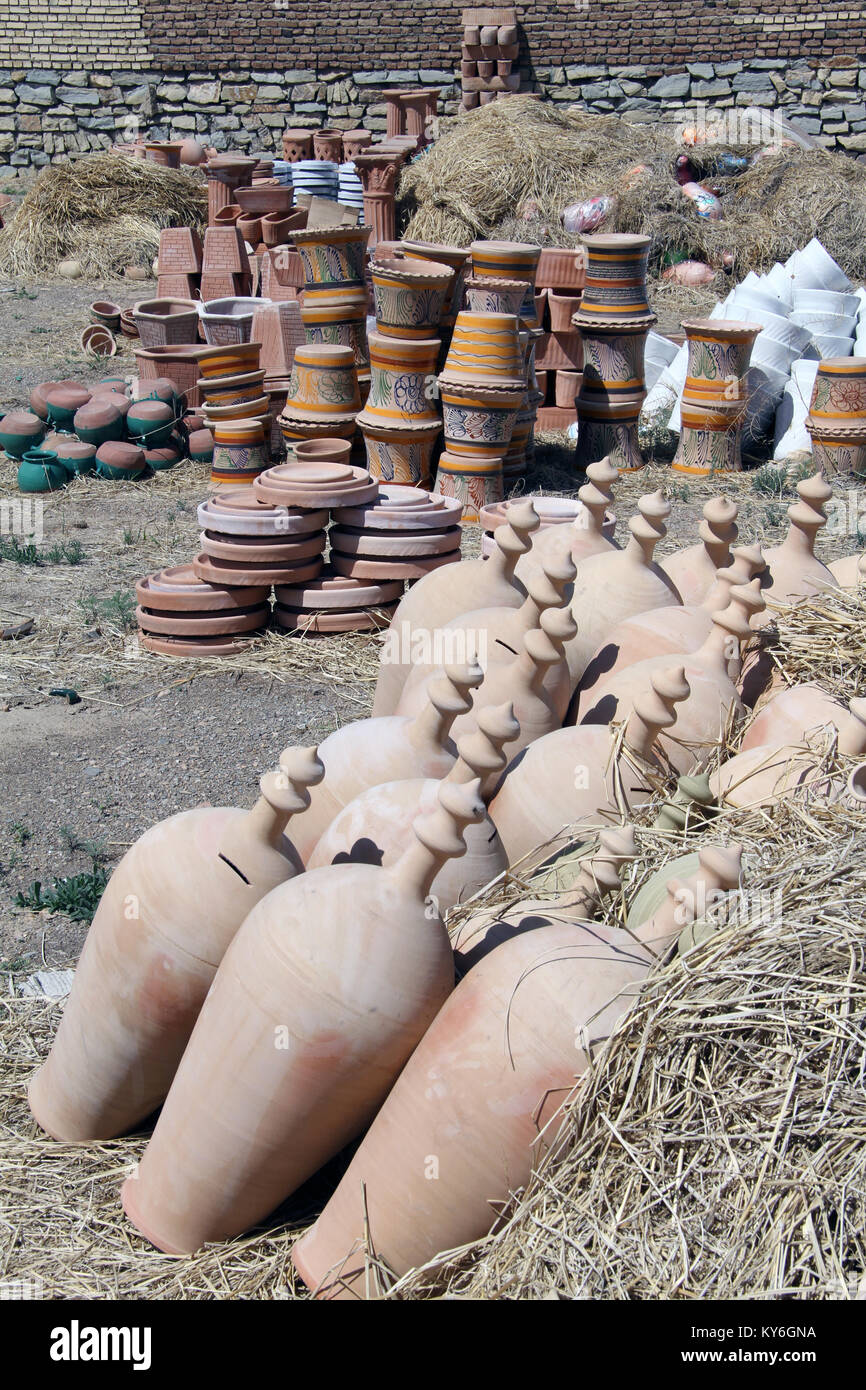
170, 910
693, 570
611, 587
701, 721
599, 876
849, 571
495, 636
587, 535
793, 569
481, 1096
575, 776
315, 1009
387, 748
447, 592
668, 630
376, 828
792, 714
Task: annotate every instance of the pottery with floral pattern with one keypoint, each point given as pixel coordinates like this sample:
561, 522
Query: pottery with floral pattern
710, 438
475, 480
719, 353
478, 419
402, 382
409, 295
333, 259
455, 256
400, 455
324, 383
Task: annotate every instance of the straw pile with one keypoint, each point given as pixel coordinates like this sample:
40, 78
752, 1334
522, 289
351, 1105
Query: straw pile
104, 210
510, 168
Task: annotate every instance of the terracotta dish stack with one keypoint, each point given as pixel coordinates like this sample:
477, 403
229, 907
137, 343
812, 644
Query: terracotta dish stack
249, 543
403, 533
490, 50
181, 615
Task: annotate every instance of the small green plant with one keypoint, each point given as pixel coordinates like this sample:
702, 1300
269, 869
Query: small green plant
22, 293
12, 549
19, 832
76, 896
774, 516
66, 553
96, 850
770, 481
116, 611
679, 492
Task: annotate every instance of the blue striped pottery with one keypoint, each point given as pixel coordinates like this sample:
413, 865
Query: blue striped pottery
409, 295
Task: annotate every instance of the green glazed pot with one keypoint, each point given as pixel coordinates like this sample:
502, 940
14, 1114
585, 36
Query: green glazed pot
41, 472
78, 457
20, 431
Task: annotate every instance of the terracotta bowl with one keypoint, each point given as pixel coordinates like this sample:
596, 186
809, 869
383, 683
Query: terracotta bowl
98, 340
105, 312
120, 462
62, 403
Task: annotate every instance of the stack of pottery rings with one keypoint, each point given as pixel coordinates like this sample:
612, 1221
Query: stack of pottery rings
402, 534
614, 319
315, 485
715, 395
837, 417
246, 542
181, 615
400, 422
335, 603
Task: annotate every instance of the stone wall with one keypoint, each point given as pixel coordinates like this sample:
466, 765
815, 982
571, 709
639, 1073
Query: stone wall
83, 75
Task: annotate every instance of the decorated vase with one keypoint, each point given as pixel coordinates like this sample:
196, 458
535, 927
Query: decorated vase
409, 295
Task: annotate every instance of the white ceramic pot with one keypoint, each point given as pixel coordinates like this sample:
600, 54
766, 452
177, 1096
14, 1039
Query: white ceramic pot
829, 345
766, 352
774, 326
814, 268
840, 325
778, 281
790, 432
747, 296
826, 302
660, 349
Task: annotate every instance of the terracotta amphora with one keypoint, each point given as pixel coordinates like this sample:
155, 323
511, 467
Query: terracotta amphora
793, 714
376, 827
168, 915
579, 776
693, 570
387, 748
589, 534
793, 569
480, 1101
599, 877
701, 721
495, 635
315, 1009
668, 630
447, 592
613, 586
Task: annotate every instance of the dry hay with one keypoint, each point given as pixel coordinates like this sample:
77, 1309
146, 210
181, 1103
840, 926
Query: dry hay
104, 210
522, 156
824, 640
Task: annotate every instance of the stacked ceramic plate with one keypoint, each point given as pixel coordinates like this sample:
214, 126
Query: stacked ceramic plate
283, 171
336, 603
402, 534
315, 485
180, 615
349, 187
248, 543
317, 177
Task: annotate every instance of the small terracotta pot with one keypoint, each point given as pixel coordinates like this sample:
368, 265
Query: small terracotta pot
163, 322
104, 312
150, 423
409, 295
228, 360
328, 145
250, 229
311, 451
478, 420
356, 142
98, 340
227, 216
562, 307
399, 455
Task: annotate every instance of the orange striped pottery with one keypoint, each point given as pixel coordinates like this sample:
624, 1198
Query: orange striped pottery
402, 382
324, 383
509, 260
409, 295
333, 258
260, 405
401, 455
294, 429
838, 450
229, 390
839, 394
710, 438
478, 420
230, 360
616, 269
241, 450
457, 257
486, 348
719, 353
474, 480
342, 323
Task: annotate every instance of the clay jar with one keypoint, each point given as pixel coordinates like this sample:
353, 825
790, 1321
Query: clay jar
332, 259
693, 570
143, 976
447, 593
409, 295
324, 384
615, 287
509, 260
485, 349
383, 967
794, 713
20, 431
473, 480
62, 402
611, 394
456, 257
150, 423
793, 570
491, 296
523, 1023
615, 585
120, 462
591, 532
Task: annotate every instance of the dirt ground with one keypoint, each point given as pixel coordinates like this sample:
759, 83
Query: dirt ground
149, 735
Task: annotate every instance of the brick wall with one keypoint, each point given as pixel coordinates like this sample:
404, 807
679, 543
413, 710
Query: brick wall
78, 75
